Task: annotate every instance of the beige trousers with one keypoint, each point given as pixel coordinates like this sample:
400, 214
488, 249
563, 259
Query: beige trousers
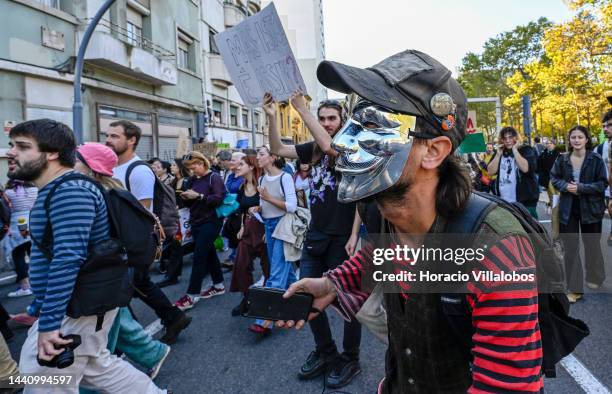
8, 366
94, 367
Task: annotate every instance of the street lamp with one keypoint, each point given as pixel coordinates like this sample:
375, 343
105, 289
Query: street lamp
77, 106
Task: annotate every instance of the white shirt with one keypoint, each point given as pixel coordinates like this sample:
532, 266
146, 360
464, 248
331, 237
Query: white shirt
142, 180
507, 178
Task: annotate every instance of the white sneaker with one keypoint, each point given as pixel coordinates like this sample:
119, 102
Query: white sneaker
20, 293
152, 372
260, 282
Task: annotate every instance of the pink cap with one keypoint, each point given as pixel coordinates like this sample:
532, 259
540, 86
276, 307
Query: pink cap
100, 158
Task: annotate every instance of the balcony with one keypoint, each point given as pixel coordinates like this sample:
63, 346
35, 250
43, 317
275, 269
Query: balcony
219, 75
113, 48
233, 13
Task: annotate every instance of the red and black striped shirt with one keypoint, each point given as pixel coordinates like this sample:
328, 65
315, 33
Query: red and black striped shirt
507, 345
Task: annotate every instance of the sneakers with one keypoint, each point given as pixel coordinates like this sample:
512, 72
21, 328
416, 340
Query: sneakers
573, 297
212, 292
152, 372
24, 318
174, 329
186, 302
593, 286
20, 293
259, 329
343, 371
316, 365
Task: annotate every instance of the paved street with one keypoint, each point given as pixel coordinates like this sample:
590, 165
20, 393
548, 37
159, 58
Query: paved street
217, 354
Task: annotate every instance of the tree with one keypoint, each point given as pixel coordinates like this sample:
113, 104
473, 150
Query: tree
502, 56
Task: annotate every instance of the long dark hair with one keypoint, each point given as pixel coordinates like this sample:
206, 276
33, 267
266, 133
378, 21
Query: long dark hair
583, 130
454, 181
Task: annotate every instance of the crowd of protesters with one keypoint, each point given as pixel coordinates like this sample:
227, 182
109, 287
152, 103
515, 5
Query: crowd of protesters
577, 189
243, 200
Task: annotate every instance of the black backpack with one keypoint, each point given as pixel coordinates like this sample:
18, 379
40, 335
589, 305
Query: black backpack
104, 281
164, 201
560, 333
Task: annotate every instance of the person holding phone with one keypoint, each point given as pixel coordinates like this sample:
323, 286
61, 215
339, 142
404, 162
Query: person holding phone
206, 193
515, 166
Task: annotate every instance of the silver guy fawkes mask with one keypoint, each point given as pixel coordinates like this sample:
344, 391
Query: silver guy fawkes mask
373, 147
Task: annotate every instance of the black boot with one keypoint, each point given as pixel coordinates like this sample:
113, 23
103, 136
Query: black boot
316, 364
240, 308
343, 371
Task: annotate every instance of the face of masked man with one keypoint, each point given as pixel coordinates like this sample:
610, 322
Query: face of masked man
373, 147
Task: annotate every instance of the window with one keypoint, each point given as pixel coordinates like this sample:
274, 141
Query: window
134, 27
257, 121
233, 115
50, 3
217, 111
213, 44
245, 118
184, 50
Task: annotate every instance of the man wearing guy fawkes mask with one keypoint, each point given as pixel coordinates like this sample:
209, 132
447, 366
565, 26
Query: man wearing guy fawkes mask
419, 186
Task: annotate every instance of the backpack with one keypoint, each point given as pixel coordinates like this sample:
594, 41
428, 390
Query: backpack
134, 243
5, 215
164, 201
560, 333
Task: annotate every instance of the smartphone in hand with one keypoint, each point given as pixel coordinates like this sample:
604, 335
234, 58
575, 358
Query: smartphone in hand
268, 304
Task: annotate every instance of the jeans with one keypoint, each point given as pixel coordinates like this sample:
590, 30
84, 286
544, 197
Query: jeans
314, 267
282, 274
19, 258
594, 263
205, 259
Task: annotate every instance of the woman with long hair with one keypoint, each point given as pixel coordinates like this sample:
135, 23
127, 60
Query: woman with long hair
21, 197
97, 162
580, 177
277, 197
251, 244
206, 192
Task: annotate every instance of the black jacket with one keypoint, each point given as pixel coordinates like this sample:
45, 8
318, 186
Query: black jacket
527, 192
546, 161
591, 187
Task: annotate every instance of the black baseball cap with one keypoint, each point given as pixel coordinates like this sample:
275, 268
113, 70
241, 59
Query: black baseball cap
410, 82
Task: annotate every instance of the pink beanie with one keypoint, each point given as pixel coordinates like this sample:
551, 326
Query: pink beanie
100, 158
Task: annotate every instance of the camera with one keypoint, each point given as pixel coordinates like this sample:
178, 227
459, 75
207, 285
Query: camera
65, 358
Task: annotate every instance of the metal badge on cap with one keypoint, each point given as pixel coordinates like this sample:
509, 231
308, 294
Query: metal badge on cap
442, 104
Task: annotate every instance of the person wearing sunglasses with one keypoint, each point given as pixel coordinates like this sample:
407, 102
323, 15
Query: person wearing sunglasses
515, 165
332, 235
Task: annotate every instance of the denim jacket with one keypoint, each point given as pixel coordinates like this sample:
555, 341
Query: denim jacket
591, 187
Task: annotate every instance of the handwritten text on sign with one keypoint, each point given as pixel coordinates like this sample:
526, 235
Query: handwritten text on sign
259, 59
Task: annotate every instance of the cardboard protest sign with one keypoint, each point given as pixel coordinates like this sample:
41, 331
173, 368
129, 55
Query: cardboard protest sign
259, 59
209, 149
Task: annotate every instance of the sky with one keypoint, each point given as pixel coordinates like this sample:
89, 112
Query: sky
363, 32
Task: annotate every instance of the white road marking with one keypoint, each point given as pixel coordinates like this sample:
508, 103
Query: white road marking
544, 221
583, 376
7, 279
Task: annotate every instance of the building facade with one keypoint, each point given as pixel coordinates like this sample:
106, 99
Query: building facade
142, 65
228, 120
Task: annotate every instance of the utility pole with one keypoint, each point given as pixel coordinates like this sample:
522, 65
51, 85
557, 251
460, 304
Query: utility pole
77, 106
